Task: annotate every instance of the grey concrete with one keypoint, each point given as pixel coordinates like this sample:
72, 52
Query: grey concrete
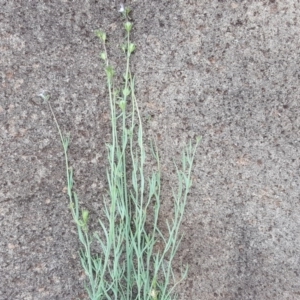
227, 70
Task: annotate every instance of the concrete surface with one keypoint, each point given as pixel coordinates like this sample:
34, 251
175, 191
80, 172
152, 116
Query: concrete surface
227, 70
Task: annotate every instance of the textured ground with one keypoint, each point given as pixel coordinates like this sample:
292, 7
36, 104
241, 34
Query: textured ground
227, 70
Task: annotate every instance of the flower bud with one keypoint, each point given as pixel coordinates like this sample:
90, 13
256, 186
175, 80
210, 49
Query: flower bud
110, 72
85, 216
131, 48
126, 92
128, 26
122, 105
103, 55
101, 35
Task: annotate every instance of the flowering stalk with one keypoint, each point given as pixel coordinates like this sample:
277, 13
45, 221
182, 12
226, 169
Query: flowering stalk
126, 266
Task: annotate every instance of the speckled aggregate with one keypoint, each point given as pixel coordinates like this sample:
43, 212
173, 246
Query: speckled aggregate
226, 70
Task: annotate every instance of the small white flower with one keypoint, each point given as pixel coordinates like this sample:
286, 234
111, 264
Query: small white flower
154, 294
44, 95
122, 8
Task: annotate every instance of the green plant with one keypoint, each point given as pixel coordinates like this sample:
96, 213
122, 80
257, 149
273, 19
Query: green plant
121, 261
